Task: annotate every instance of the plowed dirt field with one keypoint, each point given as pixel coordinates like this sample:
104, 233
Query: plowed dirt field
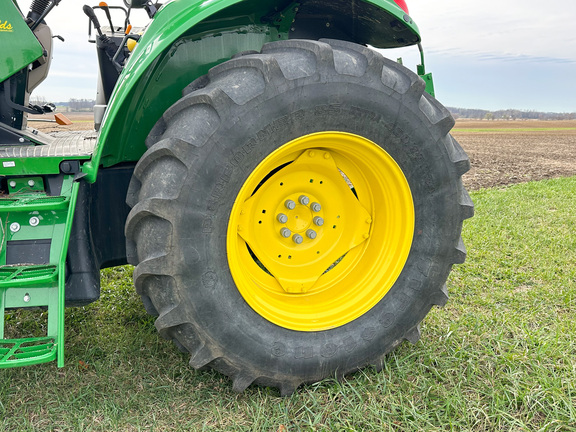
505, 152
501, 152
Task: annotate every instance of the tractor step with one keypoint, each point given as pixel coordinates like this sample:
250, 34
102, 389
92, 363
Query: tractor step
27, 275
34, 234
27, 351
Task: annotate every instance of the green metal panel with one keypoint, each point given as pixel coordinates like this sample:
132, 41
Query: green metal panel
35, 165
183, 42
19, 45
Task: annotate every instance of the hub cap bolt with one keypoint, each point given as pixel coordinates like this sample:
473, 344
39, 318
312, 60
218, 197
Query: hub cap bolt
318, 221
282, 218
34, 221
285, 232
304, 200
315, 207
290, 205
297, 238
15, 227
311, 234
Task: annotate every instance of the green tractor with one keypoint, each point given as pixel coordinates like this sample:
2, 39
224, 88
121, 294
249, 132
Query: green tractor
290, 198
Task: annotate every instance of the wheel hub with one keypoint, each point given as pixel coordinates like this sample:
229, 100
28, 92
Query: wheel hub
304, 216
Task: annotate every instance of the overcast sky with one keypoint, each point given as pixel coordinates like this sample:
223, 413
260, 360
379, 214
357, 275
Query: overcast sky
490, 54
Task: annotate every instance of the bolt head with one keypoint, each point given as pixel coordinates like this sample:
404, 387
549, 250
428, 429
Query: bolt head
31, 183
285, 232
26, 298
297, 238
318, 221
316, 207
12, 184
34, 221
14, 227
303, 199
290, 205
311, 234
282, 218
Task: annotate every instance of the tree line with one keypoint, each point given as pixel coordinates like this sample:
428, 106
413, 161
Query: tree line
508, 114
463, 113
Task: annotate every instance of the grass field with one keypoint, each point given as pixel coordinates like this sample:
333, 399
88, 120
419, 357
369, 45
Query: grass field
501, 356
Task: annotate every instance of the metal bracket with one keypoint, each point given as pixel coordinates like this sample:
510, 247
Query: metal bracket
284, 18
9, 138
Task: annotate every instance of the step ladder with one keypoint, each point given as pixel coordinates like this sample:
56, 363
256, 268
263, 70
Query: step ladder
34, 234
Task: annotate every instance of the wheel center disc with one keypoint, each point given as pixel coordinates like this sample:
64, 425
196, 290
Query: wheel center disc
312, 251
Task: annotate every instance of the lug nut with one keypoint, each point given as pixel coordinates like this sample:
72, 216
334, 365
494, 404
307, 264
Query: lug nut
303, 199
311, 234
297, 238
316, 207
285, 232
290, 205
282, 218
318, 221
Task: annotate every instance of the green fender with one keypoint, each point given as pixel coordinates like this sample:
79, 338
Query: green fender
186, 38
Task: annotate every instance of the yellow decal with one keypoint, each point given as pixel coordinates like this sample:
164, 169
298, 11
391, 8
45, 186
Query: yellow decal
5, 26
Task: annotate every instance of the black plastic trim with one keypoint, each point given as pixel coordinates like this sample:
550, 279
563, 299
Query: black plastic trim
97, 239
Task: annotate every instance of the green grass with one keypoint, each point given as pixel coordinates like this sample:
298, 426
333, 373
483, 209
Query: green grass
514, 130
501, 356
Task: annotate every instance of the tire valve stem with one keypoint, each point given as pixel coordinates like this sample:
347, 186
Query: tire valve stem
285, 232
290, 205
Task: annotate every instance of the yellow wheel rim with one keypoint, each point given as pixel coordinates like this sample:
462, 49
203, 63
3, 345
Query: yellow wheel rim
320, 231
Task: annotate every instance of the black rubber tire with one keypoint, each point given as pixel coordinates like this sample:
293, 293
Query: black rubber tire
201, 152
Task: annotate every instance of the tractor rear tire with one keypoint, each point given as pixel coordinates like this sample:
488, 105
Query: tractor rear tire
297, 213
